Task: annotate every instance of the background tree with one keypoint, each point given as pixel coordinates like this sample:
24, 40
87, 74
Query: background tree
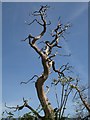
81, 99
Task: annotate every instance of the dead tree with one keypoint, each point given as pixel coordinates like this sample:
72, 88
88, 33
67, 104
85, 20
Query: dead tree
47, 60
46, 56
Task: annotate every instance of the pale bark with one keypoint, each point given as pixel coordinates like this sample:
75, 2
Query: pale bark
49, 112
46, 58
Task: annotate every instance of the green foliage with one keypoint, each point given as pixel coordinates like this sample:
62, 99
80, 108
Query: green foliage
27, 116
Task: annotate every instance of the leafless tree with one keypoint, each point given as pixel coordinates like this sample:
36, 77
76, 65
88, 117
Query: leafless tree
82, 101
47, 59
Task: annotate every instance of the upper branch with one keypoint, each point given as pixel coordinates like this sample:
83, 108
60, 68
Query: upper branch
42, 13
33, 39
56, 33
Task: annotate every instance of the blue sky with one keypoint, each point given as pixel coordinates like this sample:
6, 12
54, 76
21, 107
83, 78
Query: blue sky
20, 62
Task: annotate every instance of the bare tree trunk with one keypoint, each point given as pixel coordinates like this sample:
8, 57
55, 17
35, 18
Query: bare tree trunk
44, 101
48, 110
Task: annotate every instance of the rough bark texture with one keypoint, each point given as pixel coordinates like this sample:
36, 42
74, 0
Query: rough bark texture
48, 110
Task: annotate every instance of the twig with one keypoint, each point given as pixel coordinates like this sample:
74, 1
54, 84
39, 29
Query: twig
36, 21
57, 71
56, 96
29, 79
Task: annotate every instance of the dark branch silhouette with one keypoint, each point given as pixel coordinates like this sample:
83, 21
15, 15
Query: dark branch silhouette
29, 79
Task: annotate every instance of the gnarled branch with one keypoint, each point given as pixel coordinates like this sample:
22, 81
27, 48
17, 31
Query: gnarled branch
25, 104
29, 80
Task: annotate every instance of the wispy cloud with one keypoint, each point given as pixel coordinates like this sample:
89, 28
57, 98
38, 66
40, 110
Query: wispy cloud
80, 68
78, 11
66, 47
